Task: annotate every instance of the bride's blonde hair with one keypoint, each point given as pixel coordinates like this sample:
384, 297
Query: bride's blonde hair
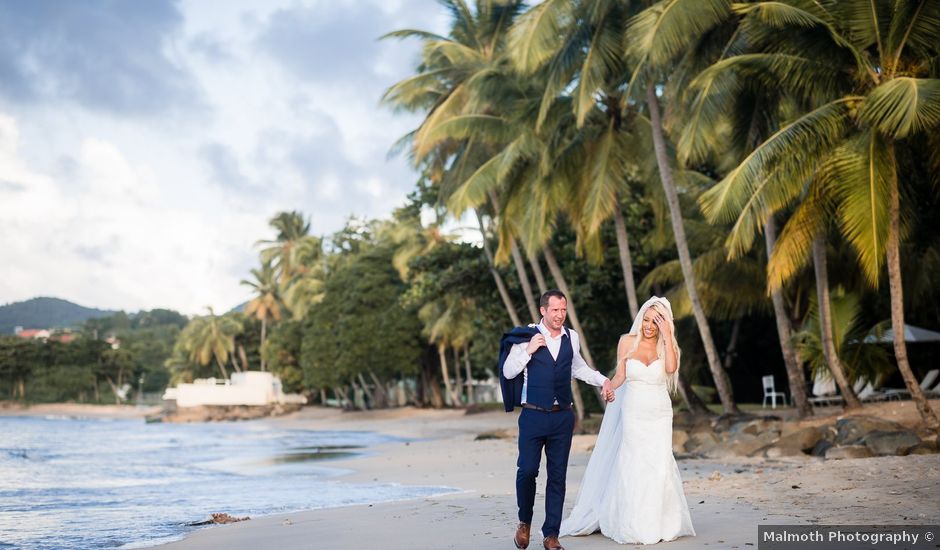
664, 308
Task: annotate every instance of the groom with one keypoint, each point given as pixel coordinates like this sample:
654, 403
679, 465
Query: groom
548, 356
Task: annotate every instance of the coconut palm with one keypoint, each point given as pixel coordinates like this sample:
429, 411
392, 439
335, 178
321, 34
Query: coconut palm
656, 37
452, 66
266, 306
211, 337
579, 43
865, 77
717, 122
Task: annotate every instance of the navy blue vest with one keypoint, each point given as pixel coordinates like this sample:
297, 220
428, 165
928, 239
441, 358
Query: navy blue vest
550, 379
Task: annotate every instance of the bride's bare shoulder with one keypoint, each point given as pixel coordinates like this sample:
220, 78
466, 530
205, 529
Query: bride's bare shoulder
625, 340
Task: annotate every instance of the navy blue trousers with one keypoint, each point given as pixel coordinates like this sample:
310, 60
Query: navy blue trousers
551, 431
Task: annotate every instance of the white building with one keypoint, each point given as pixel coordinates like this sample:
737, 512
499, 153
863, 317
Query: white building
244, 388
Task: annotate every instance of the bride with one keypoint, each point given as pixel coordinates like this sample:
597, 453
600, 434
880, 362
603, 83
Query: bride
631, 489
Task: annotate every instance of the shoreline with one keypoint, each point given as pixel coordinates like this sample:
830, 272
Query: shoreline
78, 410
727, 498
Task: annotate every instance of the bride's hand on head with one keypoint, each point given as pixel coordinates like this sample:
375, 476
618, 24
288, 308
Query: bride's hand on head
664, 326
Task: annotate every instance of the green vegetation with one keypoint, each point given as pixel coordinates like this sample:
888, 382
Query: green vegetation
89, 369
614, 150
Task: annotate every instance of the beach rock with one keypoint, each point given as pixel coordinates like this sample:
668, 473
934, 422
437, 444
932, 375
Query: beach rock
853, 429
495, 434
724, 422
821, 447
679, 437
884, 443
702, 441
923, 448
848, 451
758, 426
746, 444
223, 413
798, 442
684, 419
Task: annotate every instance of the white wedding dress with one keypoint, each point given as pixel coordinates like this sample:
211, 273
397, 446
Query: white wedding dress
632, 491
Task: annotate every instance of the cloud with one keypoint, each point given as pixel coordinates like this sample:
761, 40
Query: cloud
224, 167
260, 107
105, 55
326, 42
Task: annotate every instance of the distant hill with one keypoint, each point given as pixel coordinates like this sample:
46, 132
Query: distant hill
45, 313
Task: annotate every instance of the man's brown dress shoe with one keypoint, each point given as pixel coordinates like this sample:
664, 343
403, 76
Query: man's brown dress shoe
551, 543
522, 536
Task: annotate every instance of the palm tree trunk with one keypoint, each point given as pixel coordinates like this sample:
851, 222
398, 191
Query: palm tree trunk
520, 266
539, 276
692, 400
626, 263
221, 368
365, 389
897, 305
731, 350
825, 324
555, 270
264, 326
785, 334
722, 383
381, 392
524, 280
466, 362
458, 379
500, 285
442, 355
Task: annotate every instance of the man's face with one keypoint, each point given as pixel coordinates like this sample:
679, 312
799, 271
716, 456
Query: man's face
555, 313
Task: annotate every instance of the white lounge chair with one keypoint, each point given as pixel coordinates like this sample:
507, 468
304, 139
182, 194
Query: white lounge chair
926, 382
771, 393
824, 391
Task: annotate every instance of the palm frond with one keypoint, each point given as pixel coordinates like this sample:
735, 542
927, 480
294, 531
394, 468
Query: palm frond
450, 107
860, 174
488, 128
793, 250
914, 24
600, 61
660, 33
903, 106
533, 39
774, 174
413, 33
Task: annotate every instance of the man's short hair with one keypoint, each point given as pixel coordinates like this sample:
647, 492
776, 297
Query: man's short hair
553, 293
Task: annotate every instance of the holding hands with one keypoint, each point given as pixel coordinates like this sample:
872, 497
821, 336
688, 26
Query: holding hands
607, 392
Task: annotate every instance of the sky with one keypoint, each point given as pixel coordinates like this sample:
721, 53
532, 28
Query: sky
144, 146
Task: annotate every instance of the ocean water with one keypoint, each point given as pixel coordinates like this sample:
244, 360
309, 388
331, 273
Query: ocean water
81, 483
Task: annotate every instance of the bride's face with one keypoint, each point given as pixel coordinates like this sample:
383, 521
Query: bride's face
649, 328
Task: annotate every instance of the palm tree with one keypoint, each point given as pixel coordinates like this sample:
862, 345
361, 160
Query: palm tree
578, 42
266, 305
296, 260
211, 337
656, 37
451, 68
718, 122
866, 75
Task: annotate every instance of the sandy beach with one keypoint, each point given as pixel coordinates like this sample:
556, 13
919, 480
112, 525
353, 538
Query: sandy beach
727, 498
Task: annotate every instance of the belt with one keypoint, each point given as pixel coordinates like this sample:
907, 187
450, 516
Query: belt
555, 408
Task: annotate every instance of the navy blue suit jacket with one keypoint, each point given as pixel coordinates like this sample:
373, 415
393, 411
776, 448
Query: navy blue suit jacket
512, 387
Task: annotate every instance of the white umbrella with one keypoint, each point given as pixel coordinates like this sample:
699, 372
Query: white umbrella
911, 334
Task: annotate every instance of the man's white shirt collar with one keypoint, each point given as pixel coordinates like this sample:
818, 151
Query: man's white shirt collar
544, 330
